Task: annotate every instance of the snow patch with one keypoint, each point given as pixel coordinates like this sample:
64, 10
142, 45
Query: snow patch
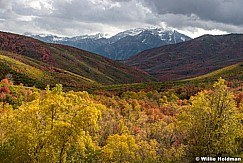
183, 39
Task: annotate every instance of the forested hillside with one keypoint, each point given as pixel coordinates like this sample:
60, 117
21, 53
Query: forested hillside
21, 69
147, 126
192, 58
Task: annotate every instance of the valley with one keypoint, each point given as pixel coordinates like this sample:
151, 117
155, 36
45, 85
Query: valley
121, 81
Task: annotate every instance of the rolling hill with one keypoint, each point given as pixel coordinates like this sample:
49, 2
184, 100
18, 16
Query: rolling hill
72, 61
230, 73
34, 73
190, 59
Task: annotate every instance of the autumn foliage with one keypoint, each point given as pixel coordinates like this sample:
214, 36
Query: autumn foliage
55, 126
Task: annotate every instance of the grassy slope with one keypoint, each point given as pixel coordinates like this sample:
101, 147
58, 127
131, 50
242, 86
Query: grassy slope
233, 72
32, 72
229, 73
96, 67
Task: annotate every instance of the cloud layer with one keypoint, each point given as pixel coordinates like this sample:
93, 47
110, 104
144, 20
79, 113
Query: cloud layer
76, 17
223, 11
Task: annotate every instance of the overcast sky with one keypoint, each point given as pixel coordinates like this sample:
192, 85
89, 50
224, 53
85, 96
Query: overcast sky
78, 17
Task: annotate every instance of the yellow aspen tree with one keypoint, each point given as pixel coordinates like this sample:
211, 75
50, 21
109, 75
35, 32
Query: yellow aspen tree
212, 123
55, 127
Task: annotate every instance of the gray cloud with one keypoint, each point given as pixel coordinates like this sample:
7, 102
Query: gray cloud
223, 11
105, 12
120, 0
74, 17
5, 4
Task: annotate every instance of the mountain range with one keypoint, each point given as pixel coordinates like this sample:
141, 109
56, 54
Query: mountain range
191, 58
120, 46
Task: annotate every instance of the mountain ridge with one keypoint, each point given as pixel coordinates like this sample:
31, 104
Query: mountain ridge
113, 48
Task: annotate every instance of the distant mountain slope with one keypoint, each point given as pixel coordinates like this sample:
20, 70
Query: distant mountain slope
82, 63
123, 48
128, 43
192, 58
122, 45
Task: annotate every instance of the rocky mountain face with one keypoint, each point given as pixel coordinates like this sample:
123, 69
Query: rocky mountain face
122, 45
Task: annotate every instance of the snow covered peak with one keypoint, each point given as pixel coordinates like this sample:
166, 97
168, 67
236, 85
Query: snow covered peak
94, 37
54, 38
162, 33
130, 32
136, 31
